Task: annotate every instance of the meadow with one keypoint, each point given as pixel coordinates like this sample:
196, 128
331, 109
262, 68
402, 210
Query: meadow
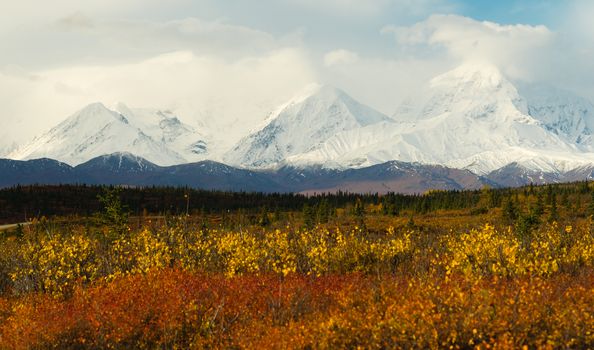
485, 269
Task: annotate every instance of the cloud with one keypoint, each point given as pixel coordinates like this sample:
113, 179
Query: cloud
511, 47
383, 83
341, 56
232, 94
230, 62
367, 8
113, 40
75, 21
342, 7
577, 24
212, 72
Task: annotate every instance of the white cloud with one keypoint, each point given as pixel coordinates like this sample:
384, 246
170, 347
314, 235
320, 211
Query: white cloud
339, 57
579, 20
366, 8
383, 83
190, 33
79, 39
511, 47
229, 62
216, 92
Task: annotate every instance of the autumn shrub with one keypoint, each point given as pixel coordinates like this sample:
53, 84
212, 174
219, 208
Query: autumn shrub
54, 264
52, 261
173, 308
488, 251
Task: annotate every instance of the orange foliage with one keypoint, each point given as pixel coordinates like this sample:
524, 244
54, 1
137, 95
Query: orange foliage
178, 309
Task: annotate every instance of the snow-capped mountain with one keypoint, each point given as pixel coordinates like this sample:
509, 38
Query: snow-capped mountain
562, 112
165, 127
300, 125
96, 130
469, 118
7, 148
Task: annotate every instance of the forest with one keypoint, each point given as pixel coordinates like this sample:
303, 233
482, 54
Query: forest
174, 268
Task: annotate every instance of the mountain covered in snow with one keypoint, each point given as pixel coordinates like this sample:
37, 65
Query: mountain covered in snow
301, 125
562, 113
471, 118
129, 170
96, 130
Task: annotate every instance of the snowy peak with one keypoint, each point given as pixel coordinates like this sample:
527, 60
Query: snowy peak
562, 112
96, 130
165, 127
118, 162
301, 124
474, 90
477, 75
95, 114
471, 117
321, 104
338, 104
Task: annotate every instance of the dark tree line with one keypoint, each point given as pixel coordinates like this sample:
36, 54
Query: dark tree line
24, 202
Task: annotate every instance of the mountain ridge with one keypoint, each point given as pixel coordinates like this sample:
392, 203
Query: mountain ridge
471, 118
394, 176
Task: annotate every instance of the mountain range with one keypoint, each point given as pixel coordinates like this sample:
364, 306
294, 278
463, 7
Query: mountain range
470, 126
129, 170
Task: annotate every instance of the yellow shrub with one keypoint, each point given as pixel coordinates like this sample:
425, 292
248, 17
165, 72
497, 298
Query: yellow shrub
54, 264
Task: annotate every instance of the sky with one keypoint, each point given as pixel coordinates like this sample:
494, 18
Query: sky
222, 63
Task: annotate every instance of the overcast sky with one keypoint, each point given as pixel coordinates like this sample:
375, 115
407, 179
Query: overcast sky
213, 60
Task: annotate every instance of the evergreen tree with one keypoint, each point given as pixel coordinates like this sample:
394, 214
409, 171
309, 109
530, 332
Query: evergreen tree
539, 205
525, 224
264, 219
510, 211
565, 199
385, 205
550, 194
584, 188
277, 214
359, 212
591, 204
323, 211
531, 188
553, 214
308, 217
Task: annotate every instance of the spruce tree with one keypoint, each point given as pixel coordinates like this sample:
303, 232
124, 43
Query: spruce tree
539, 205
359, 213
510, 211
264, 219
323, 211
308, 217
553, 214
591, 204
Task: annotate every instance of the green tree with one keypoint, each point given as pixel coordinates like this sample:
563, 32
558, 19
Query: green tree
323, 211
359, 212
308, 216
115, 216
510, 210
554, 213
584, 188
591, 204
264, 219
539, 205
525, 225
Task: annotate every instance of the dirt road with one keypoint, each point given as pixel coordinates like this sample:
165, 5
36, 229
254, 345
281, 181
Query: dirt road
11, 226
